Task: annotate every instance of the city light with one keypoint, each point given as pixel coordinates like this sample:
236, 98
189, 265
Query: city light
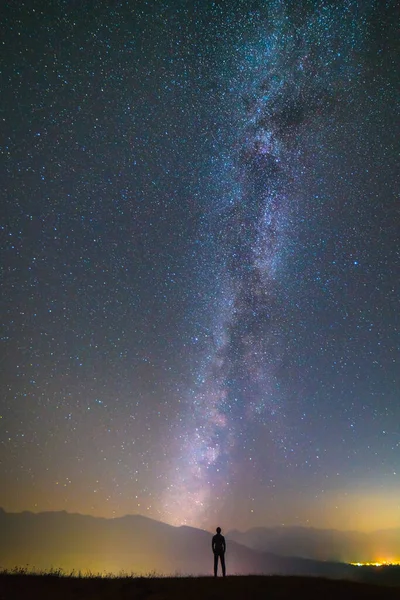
383, 563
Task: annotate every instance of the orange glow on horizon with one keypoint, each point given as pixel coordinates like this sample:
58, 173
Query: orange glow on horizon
382, 563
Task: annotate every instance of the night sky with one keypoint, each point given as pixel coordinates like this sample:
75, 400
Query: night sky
200, 241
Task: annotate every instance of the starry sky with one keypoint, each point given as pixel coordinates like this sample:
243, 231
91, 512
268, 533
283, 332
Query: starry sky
201, 265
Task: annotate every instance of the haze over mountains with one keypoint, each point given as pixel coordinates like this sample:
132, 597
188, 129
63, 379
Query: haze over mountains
323, 544
141, 545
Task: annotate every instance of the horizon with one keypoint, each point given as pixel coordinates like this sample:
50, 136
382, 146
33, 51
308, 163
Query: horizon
73, 541
225, 530
202, 263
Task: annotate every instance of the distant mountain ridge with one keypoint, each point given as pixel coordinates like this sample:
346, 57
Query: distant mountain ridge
140, 545
133, 544
322, 544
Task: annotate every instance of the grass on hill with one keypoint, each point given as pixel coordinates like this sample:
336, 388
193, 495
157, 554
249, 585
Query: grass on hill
23, 584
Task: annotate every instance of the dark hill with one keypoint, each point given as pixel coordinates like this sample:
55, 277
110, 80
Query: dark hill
47, 587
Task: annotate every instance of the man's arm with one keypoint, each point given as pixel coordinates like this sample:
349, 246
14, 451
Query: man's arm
224, 545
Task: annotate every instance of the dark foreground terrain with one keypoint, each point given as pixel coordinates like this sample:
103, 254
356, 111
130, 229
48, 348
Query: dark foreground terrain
46, 587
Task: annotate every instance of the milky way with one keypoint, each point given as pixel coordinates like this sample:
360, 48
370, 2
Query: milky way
298, 67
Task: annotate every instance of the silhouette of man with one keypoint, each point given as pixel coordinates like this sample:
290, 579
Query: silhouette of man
218, 547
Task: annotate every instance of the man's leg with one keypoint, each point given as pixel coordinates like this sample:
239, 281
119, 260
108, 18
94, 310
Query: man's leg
215, 564
222, 556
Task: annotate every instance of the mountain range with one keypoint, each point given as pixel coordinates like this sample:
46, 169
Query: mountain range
141, 545
323, 544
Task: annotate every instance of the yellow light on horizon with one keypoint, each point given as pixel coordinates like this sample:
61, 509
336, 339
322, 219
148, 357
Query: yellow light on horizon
383, 563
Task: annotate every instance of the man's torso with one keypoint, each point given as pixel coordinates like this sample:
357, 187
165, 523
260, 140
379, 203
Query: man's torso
218, 543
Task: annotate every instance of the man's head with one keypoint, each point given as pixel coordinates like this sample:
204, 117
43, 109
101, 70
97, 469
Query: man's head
218, 529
